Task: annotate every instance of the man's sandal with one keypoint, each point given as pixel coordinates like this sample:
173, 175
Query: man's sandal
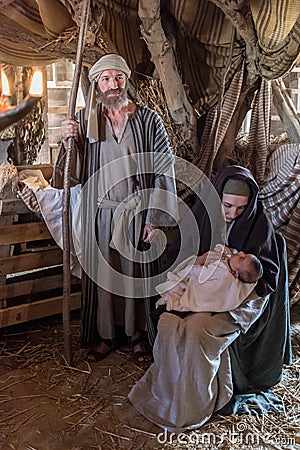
141, 350
100, 351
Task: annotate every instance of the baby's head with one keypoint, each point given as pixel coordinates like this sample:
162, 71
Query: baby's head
246, 267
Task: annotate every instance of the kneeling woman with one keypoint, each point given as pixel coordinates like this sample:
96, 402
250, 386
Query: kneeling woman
191, 377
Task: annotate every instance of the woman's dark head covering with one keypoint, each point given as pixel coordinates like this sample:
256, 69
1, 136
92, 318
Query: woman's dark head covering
237, 187
242, 225
209, 214
234, 173
241, 174
252, 231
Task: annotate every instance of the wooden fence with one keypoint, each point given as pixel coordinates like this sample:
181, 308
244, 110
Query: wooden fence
31, 272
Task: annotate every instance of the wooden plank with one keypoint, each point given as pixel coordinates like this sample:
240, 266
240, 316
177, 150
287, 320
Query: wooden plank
3, 301
9, 207
36, 310
60, 110
4, 251
24, 232
5, 221
34, 286
21, 263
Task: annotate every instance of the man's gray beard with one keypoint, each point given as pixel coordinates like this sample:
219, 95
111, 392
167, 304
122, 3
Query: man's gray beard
112, 102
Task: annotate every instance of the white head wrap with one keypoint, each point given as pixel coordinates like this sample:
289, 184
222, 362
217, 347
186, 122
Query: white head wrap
111, 61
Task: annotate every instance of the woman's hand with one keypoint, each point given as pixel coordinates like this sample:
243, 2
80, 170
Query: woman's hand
69, 129
209, 257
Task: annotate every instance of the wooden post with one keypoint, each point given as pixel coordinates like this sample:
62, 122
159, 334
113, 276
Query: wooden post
162, 55
66, 191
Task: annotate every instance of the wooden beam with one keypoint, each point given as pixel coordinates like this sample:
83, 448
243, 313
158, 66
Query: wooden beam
162, 55
34, 286
36, 310
4, 252
239, 14
21, 263
286, 111
9, 207
64, 47
24, 232
60, 110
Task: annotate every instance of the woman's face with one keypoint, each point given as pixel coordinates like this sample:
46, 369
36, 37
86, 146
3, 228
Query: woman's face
233, 206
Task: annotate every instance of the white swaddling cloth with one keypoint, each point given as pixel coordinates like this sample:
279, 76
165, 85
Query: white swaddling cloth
211, 288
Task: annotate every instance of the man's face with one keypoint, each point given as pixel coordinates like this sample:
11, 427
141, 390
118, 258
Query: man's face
112, 92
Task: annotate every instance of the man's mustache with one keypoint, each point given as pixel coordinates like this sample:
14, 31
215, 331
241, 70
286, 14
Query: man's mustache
113, 91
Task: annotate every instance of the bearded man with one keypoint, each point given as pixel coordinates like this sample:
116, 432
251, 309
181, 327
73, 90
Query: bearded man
125, 164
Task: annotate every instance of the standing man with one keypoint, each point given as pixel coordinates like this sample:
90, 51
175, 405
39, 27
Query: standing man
125, 164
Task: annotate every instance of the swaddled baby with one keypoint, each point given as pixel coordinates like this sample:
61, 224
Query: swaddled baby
216, 286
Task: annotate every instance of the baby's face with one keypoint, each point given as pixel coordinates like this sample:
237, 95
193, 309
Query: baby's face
240, 262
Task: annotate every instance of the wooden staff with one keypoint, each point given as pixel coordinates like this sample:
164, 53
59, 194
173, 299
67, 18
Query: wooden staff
66, 191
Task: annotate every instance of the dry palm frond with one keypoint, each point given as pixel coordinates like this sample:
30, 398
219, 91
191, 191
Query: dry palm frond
149, 92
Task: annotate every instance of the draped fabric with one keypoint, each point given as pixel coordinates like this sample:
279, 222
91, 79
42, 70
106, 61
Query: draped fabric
280, 196
190, 377
205, 38
260, 131
277, 24
257, 357
218, 121
25, 16
55, 19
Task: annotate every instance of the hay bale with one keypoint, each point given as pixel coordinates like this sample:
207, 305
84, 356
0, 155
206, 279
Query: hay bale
149, 92
8, 181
